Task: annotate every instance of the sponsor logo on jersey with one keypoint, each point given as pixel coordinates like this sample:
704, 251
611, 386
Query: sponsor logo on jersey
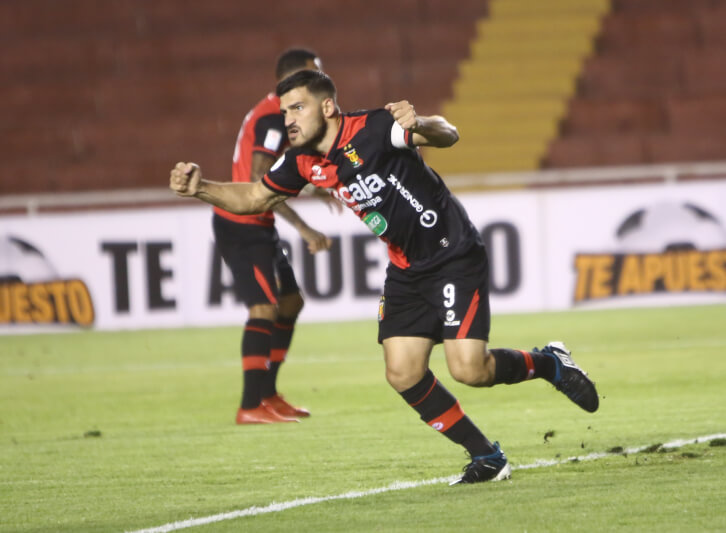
361, 194
376, 223
318, 173
428, 217
352, 156
451, 318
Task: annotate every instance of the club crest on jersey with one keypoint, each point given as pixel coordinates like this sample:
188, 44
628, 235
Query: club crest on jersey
352, 156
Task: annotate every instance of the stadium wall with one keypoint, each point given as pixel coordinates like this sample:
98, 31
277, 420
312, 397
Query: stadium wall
581, 247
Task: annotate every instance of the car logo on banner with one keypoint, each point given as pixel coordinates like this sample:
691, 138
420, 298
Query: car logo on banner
32, 292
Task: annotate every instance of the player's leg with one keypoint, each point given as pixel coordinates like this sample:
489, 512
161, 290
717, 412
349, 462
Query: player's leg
463, 301
249, 251
408, 329
290, 303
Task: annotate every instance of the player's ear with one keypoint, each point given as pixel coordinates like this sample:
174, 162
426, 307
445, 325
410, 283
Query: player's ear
329, 107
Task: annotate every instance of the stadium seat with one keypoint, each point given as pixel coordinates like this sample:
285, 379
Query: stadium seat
599, 116
604, 150
659, 30
113, 79
657, 75
694, 116
683, 147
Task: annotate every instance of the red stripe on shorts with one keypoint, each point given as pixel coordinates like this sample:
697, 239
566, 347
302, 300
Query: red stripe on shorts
469, 318
260, 277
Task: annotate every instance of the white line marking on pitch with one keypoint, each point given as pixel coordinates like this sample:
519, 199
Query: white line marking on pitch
400, 485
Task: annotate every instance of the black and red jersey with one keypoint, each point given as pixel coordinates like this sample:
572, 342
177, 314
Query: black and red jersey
263, 130
374, 169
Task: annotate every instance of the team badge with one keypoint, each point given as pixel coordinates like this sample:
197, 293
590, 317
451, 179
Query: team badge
381, 308
352, 156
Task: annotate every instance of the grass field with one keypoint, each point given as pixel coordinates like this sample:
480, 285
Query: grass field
132, 430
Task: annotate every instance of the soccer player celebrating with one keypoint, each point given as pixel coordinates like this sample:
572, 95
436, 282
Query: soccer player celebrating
437, 282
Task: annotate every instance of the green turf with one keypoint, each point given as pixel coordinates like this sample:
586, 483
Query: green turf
131, 430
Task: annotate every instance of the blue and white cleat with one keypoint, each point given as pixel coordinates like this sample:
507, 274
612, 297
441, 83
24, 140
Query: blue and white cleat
492, 467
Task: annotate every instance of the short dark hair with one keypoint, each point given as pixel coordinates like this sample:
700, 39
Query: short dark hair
293, 59
315, 81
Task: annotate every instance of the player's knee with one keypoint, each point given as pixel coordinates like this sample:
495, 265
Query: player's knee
402, 378
474, 375
263, 311
290, 305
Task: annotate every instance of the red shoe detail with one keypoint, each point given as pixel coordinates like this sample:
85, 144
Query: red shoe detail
278, 403
261, 415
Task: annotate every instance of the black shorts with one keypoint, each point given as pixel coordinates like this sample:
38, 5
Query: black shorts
259, 265
451, 302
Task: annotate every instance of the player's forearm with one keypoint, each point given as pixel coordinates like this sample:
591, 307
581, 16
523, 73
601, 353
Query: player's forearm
238, 198
436, 131
290, 215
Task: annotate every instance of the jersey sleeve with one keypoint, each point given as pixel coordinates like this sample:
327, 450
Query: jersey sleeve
394, 136
269, 134
284, 177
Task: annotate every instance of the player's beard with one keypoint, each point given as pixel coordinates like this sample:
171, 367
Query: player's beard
316, 136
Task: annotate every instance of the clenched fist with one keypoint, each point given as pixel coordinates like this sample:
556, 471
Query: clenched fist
185, 178
404, 114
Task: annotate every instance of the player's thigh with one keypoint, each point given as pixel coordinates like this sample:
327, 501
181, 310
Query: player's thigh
250, 254
407, 359
459, 292
404, 311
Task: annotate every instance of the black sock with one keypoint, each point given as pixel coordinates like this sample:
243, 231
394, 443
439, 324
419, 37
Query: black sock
256, 341
268, 387
513, 366
280, 344
440, 410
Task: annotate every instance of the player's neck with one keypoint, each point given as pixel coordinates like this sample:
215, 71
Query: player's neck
331, 133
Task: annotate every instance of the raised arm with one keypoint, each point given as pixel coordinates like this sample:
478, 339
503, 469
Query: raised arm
239, 198
316, 241
433, 130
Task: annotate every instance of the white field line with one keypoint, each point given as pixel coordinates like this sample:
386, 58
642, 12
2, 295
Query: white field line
401, 485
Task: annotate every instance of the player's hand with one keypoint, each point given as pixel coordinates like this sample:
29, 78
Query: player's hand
317, 242
328, 199
404, 113
185, 178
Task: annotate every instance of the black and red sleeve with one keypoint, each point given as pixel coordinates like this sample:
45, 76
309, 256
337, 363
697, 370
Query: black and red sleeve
284, 177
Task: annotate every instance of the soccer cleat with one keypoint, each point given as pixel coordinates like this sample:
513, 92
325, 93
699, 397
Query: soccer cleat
492, 467
261, 415
278, 403
570, 379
